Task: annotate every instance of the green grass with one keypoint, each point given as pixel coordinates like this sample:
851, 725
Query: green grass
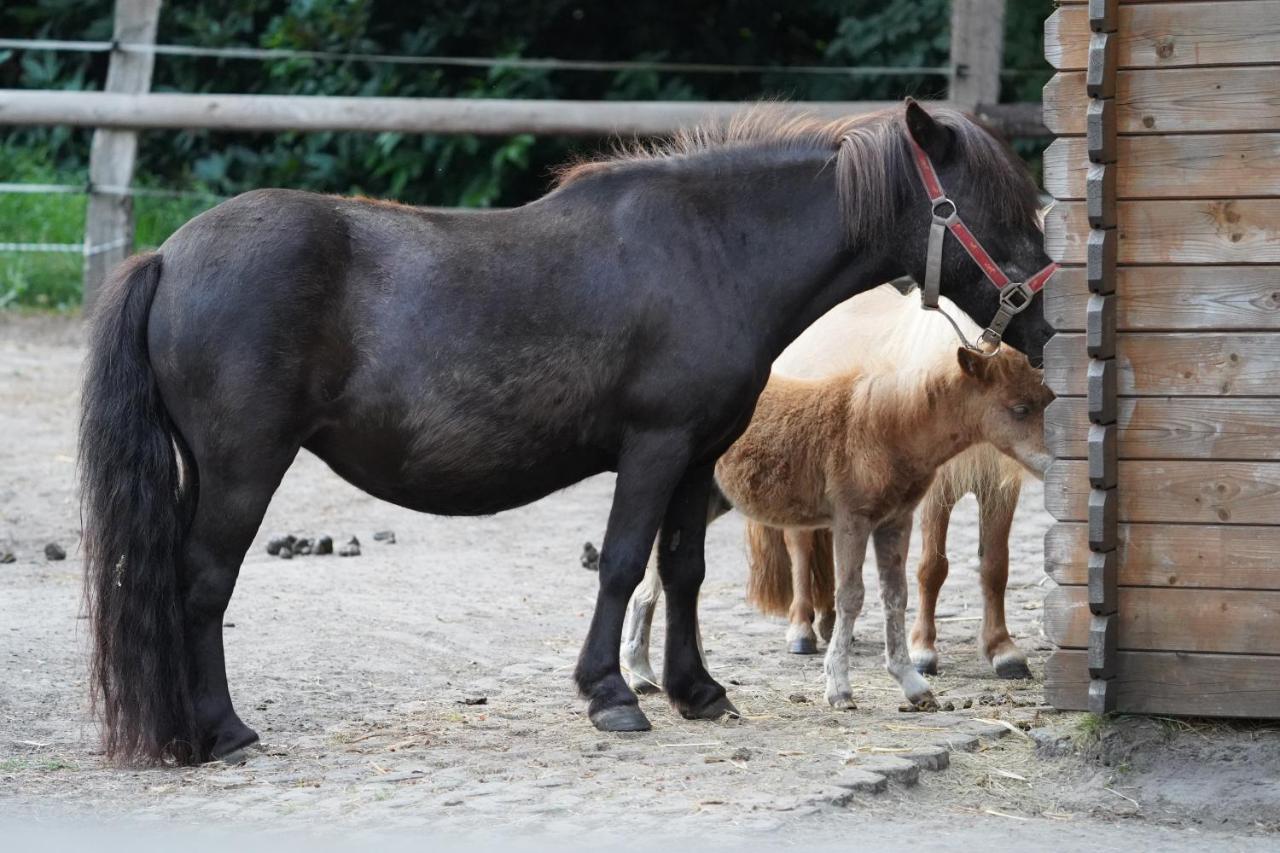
1089, 729
52, 280
13, 765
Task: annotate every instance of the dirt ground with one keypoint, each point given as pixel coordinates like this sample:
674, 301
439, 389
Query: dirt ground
358, 673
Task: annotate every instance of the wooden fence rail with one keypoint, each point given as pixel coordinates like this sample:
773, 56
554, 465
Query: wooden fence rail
488, 116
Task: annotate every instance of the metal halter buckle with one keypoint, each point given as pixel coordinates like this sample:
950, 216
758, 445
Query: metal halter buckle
1014, 298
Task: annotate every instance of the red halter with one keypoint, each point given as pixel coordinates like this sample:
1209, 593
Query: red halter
1014, 296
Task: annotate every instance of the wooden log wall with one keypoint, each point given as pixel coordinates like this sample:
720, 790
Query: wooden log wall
1166, 430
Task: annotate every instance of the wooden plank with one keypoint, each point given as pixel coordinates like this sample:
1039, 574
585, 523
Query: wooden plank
1172, 100
1172, 428
1185, 166
108, 230
1172, 35
977, 50
483, 116
1231, 231
1188, 684
1189, 364
1179, 491
1201, 298
1233, 621
1218, 556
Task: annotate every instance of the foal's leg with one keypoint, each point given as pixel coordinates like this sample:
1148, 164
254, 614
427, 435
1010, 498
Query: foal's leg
891, 541
233, 493
682, 565
850, 532
996, 506
800, 637
639, 624
647, 475
934, 518
824, 563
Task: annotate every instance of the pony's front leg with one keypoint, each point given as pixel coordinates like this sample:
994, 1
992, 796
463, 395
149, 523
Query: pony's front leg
996, 506
647, 475
682, 565
850, 532
891, 541
635, 635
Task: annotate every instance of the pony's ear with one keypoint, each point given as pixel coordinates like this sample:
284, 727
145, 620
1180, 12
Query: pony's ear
936, 140
973, 364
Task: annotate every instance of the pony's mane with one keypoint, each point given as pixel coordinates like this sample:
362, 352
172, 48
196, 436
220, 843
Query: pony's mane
869, 151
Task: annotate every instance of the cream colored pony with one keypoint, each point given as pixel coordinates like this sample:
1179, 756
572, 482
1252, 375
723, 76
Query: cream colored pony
791, 562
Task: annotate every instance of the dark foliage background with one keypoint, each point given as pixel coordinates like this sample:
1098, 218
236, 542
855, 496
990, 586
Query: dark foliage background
470, 170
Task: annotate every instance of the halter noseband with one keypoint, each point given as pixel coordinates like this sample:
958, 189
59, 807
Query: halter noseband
1014, 296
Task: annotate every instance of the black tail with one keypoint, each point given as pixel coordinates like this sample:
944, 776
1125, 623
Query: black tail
136, 504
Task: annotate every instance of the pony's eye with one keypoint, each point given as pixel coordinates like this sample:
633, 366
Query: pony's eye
1020, 411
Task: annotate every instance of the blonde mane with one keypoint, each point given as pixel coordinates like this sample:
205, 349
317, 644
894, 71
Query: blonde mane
886, 333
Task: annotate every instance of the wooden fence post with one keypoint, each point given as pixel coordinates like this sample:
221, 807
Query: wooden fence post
977, 51
108, 229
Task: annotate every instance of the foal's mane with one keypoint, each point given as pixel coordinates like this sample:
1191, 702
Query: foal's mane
869, 151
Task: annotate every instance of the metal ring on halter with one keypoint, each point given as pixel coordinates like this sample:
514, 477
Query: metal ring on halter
1016, 291
953, 216
964, 342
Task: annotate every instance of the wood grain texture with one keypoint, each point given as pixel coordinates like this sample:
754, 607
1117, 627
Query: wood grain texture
1210, 231
1190, 491
108, 226
1216, 165
1181, 556
1172, 35
482, 116
1191, 620
1189, 364
1198, 298
1172, 428
977, 48
1171, 100
1182, 683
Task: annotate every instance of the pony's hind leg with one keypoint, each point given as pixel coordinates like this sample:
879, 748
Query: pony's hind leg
639, 625
891, 541
935, 516
850, 535
822, 582
233, 495
801, 639
996, 506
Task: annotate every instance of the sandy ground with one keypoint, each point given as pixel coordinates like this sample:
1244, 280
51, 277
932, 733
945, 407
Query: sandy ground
357, 673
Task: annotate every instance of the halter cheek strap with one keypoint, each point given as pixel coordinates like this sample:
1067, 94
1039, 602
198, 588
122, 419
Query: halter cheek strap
1014, 296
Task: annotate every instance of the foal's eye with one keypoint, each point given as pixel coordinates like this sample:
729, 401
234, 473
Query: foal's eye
1020, 411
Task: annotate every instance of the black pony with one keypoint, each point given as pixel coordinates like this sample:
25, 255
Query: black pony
464, 363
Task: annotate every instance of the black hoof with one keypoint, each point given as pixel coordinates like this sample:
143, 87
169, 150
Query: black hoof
234, 749
803, 646
621, 718
929, 667
714, 710
1012, 668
